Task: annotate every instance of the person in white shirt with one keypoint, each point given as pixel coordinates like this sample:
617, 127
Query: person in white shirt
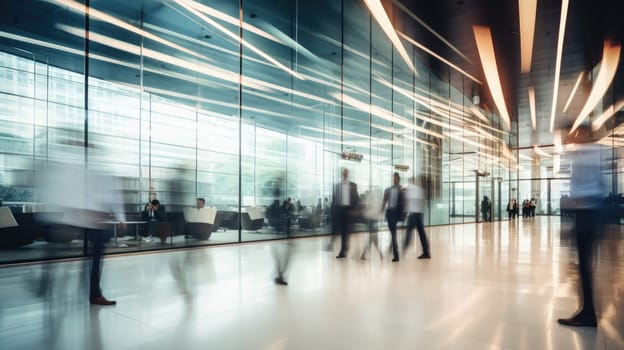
415, 205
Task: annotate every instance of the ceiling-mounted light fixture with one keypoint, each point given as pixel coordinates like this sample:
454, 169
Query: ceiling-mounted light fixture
193, 6
606, 73
608, 113
576, 85
485, 46
424, 48
376, 9
527, 10
356, 157
532, 107
562, 24
540, 152
401, 167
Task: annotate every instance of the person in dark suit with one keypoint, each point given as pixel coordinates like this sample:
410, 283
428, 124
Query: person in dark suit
394, 204
153, 213
345, 205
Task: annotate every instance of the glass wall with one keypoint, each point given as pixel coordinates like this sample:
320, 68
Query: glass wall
247, 108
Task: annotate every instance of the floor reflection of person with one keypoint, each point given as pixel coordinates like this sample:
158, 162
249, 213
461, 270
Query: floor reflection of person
586, 192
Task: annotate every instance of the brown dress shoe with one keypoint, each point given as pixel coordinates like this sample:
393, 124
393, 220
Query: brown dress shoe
102, 301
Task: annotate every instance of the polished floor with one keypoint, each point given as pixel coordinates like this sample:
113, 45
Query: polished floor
489, 286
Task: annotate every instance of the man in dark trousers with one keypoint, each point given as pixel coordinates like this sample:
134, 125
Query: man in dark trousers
586, 192
345, 206
415, 207
394, 203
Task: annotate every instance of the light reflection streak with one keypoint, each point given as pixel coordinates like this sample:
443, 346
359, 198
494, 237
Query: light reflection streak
431, 30
191, 6
608, 113
99, 15
442, 59
606, 73
380, 15
576, 86
485, 47
562, 24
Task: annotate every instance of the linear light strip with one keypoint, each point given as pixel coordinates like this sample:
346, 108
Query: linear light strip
485, 46
540, 152
422, 47
191, 7
431, 30
606, 73
562, 25
608, 113
81, 8
576, 86
377, 10
532, 107
527, 11
384, 114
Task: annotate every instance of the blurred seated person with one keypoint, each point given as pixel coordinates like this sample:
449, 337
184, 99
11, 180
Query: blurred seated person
200, 203
153, 213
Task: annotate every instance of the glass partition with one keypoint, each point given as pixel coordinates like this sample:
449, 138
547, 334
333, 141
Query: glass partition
244, 108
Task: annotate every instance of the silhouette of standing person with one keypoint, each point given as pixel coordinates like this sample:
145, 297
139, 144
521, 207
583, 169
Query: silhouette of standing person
346, 203
393, 203
415, 207
586, 192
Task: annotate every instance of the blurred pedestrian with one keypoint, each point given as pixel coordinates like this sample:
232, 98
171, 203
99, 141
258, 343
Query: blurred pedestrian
372, 200
86, 199
587, 189
345, 206
415, 207
394, 204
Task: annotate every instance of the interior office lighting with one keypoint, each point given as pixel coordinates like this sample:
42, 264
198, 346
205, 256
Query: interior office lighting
431, 30
537, 150
380, 15
442, 59
203, 68
191, 7
562, 25
532, 107
485, 46
382, 113
576, 86
527, 10
66, 49
608, 113
104, 17
477, 112
234, 21
558, 142
606, 73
